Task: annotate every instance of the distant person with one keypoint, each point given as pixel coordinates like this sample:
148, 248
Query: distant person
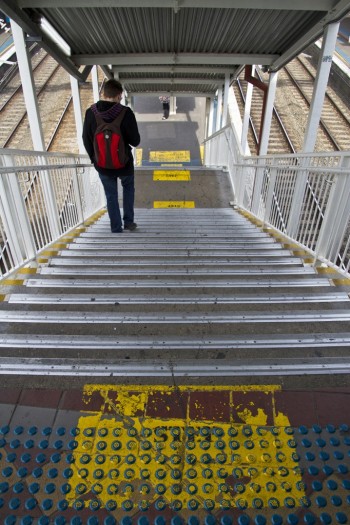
110, 129
166, 106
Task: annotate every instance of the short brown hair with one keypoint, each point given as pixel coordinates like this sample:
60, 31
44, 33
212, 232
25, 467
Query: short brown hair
112, 88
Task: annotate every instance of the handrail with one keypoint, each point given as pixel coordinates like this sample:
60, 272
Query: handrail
40, 202
306, 199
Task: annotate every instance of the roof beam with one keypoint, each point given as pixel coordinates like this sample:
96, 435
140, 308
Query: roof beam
173, 69
29, 27
289, 5
227, 59
172, 81
336, 14
171, 93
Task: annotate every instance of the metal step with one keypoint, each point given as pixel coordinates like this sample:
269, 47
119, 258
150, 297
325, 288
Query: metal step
191, 292
266, 299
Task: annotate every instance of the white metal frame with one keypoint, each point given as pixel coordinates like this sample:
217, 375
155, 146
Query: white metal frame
30, 220
269, 188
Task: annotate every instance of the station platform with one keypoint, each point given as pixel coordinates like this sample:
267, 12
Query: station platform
161, 454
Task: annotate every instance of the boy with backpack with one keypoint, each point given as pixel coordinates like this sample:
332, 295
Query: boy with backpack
110, 129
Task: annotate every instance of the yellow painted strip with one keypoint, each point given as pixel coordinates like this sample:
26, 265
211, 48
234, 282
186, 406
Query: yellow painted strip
201, 150
49, 253
170, 156
2, 298
325, 270
174, 175
59, 245
173, 204
12, 282
138, 161
27, 270
131, 461
341, 282
42, 260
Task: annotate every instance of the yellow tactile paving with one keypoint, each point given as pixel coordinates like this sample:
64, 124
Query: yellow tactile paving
182, 463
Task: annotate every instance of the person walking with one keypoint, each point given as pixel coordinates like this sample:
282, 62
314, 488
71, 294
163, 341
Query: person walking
165, 100
109, 110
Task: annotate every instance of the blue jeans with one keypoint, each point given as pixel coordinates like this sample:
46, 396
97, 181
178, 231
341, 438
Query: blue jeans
110, 185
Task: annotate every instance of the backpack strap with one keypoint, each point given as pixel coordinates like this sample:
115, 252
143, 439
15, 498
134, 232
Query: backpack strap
100, 120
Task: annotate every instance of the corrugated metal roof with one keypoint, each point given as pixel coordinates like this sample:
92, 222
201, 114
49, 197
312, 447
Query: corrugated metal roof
134, 36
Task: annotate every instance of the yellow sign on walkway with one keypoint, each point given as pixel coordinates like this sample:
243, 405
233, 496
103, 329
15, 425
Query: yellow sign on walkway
170, 156
173, 204
175, 175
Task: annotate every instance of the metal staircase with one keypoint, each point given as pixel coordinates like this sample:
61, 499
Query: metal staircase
199, 292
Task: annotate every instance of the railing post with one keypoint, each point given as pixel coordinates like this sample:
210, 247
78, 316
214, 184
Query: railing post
50, 199
258, 182
270, 192
336, 217
16, 220
298, 198
78, 195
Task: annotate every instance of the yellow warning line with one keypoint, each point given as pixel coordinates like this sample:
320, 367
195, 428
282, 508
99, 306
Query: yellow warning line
172, 175
138, 160
173, 204
27, 271
12, 282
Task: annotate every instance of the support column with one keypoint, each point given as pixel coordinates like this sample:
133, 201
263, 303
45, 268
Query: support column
95, 89
77, 113
219, 109
267, 118
324, 66
172, 106
225, 104
246, 117
29, 92
211, 117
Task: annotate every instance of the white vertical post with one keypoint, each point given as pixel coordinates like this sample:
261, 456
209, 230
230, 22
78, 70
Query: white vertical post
77, 113
95, 84
15, 219
324, 66
27, 80
264, 142
336, 217
246, 117
172, 105
211, 117
225, 103
219, 109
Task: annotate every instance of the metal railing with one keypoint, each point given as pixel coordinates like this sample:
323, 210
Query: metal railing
42, 197
306, 197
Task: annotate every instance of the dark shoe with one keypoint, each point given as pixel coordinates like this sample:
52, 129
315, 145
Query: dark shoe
130, 226
117, 231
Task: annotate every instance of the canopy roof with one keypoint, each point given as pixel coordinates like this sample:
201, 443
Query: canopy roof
175, 46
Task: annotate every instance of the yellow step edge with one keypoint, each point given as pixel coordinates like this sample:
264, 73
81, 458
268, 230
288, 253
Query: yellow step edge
49, 253
300, 252
327, 270
12, 282
341, 282
2, 298
42, 260
27, 271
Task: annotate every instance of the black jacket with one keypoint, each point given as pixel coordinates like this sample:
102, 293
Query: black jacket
128, 129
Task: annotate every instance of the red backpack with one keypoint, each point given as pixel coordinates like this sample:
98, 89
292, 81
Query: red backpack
109, 146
